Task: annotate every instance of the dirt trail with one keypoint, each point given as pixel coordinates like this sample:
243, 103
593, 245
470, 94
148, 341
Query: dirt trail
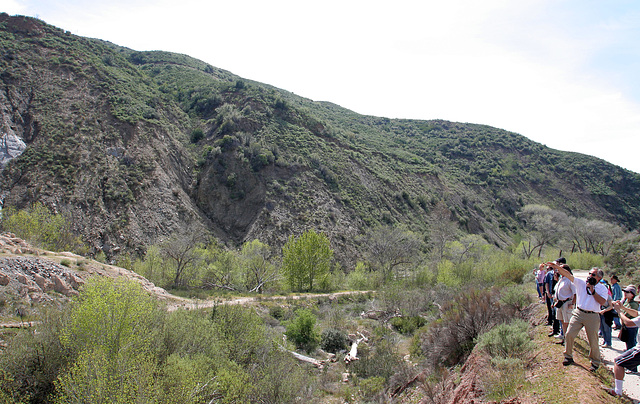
192, 304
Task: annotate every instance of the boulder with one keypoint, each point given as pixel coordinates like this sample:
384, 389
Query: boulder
4, 279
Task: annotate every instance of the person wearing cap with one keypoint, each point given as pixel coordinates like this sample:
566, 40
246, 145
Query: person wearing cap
590, 295
629, 359
630, 303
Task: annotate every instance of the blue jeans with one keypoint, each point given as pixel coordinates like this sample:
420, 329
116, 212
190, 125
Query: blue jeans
605, 330
631, 341
616, 321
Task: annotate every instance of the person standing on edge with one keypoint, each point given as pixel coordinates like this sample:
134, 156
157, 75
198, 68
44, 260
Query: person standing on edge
542, 271
590, 295
616, 295
565, 296
550, 281
629, 359
629, 302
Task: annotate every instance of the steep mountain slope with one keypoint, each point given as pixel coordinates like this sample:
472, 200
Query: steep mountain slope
135, 146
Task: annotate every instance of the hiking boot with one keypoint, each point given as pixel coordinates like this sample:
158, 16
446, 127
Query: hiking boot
593, 368
567, 361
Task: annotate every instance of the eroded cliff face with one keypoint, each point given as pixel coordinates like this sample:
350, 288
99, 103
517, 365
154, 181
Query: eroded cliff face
11, 146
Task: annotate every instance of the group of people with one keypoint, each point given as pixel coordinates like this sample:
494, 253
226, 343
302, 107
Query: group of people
597, 306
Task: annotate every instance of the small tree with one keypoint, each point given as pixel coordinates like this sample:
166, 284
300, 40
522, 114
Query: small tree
441, 229
306, 259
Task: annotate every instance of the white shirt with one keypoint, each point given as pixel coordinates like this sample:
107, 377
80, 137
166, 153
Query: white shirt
565, 289
586, 301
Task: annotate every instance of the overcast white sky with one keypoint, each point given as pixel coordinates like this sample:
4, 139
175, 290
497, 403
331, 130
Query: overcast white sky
560, 72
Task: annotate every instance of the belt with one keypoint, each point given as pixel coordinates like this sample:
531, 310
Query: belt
587, 311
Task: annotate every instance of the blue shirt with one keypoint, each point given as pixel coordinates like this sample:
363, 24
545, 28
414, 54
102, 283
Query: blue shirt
548, 279
616, 291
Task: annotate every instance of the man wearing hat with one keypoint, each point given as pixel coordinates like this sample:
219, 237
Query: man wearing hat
590, 295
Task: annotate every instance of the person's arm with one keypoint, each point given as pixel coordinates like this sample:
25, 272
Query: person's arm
625, 310
601, 300
561, 270
609, 307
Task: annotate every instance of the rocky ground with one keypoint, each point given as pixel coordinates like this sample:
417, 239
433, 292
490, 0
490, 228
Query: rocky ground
30, 277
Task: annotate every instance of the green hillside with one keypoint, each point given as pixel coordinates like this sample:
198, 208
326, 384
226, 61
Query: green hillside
135, 146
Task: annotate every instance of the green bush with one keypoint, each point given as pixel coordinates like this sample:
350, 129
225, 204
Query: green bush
196, 135
407, 325
510, 340
371, 387
504, 378
382, 361
585, 261
361, 278
277, 312
302, 332
41, 228
515, 296
333, 340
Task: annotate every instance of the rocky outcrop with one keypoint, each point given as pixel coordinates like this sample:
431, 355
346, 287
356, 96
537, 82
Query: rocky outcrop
11, 146
38, 277
35, 278
10, 244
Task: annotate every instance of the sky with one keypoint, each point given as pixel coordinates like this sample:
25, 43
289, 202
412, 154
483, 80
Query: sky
563, 73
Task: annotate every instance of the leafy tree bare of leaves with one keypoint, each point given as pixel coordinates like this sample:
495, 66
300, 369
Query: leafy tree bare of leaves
220, 268
545, 225
259, 271
181, 250
391, 247
594, 236
441, 229
469, 246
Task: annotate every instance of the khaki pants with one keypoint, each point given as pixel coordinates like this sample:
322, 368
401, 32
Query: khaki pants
591, 324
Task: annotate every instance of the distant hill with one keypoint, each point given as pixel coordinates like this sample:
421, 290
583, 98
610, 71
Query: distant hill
135, 146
